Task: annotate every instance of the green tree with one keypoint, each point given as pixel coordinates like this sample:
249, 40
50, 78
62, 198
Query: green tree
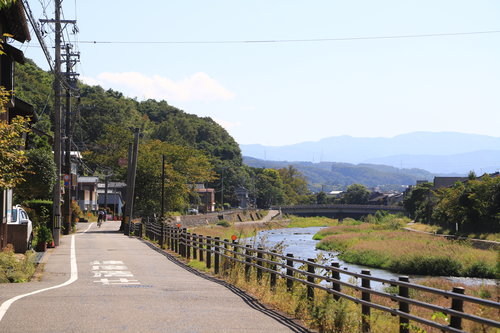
269, 188
12, 159
184, 167
356, 194
41, 176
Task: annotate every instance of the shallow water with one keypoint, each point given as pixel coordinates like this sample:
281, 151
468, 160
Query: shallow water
299, 242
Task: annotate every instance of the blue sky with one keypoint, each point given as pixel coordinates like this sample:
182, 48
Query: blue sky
284, 93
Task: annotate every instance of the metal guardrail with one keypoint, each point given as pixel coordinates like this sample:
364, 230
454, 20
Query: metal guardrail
317, 276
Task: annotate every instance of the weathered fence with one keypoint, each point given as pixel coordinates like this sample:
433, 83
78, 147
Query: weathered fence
317, 276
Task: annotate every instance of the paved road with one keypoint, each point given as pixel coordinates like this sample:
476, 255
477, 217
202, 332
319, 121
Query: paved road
125, 285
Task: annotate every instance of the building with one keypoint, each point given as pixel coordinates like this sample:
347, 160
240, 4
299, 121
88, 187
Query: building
13, 22
114, 199
86, 194
242, 195
207, 198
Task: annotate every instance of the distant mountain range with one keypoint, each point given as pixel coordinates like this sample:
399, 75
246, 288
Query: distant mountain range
443, 152
329, 176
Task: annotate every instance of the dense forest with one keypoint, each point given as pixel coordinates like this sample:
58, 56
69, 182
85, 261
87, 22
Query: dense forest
197, 150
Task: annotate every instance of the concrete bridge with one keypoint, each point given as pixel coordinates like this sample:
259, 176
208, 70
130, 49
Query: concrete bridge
338, 211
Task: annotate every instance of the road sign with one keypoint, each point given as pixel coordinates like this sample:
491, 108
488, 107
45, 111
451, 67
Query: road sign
66, 178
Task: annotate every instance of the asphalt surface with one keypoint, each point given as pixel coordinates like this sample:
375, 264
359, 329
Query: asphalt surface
124, 284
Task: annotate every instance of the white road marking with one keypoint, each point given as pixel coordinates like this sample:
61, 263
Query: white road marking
73, 277
112, 269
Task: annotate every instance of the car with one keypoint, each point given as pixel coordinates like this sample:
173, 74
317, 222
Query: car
20, 217
193, 211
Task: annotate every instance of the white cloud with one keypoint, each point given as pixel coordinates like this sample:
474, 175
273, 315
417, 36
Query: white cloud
197, 87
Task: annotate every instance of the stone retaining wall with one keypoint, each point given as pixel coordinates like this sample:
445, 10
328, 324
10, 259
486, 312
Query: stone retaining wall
212, 218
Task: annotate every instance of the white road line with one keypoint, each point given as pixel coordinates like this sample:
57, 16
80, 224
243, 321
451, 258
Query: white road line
73, 277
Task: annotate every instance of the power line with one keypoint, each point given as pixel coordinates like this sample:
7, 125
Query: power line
298, 40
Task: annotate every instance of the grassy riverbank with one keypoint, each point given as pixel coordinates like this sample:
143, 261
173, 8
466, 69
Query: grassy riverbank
250, 229
384, 245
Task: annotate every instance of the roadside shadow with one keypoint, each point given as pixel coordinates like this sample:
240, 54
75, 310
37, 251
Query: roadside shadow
249, 300
103, 232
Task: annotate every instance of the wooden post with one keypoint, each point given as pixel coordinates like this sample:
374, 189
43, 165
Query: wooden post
272, 277
289, 272
216, 255
403, 306
169, 238
225, 260
259, 264
188, 245
162, 235
310, 289
195, 246
248, 260
176, 240
235, 249
336, 276
202, 241
209, 254
365, 309
457, 305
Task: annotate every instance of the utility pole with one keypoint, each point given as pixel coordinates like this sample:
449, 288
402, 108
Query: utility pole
131, 185
124, 224
70, 79
162, 185
56, 208
56, 225
106, 193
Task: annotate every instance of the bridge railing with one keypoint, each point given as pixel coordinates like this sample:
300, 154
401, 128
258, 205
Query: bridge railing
341, 206
258, 262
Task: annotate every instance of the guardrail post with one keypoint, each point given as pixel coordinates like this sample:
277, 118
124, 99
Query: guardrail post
365, 309
310, 289
183, 242
195, 246
216, 255
209, 254
188, 246
176, 240
336, 276
248, 260
235, 249
403, 306
289, 272
457, 305
259, 264
272, 277
162, 235
169, 246
225, 259
202, 241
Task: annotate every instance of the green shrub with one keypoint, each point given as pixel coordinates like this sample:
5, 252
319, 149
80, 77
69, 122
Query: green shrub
224, 223
426, 266
16, 270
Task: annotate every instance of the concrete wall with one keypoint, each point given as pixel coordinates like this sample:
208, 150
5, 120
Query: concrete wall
205, 219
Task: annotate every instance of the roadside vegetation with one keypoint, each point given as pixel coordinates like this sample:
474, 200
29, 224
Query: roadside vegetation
16, 267
380, 242
326, 314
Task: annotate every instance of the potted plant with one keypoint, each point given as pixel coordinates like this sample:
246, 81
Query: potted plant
44, 236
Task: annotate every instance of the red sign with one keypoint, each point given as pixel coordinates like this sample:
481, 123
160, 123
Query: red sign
178, 225
233, 237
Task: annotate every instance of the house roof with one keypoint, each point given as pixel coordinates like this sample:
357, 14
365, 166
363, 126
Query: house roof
15, 22
88, 179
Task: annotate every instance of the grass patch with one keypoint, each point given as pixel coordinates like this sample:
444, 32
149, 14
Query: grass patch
305, 222
407, 252
16, 268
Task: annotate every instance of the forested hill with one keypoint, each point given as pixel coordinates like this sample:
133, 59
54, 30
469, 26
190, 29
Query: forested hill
331, 175
103, 120
100, 109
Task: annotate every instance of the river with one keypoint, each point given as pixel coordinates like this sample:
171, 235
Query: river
300, 242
